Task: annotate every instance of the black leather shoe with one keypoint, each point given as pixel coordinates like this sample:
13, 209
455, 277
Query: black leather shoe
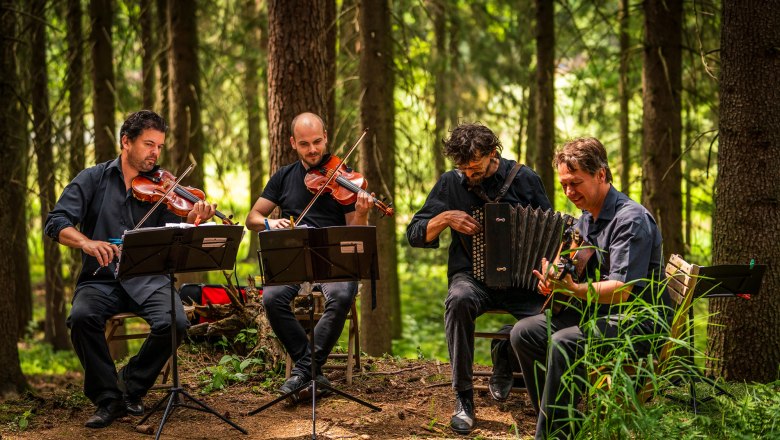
321, 391
106, 413
133, 405
463, 419
501, 380
294, 382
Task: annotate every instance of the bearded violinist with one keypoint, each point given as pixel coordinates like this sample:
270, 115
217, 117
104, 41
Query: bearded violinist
287, 190
93, 212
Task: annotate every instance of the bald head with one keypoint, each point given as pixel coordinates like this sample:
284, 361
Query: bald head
308, 120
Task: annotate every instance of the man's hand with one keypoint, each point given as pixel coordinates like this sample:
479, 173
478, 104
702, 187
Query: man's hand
364, 202
203, 210
103, 251
462, 222
278, 223
549, 283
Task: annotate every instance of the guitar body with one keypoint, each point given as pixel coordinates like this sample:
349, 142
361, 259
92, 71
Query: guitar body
573, 257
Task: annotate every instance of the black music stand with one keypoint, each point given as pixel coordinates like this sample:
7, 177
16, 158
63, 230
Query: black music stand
307, 256
722, 281
170, 250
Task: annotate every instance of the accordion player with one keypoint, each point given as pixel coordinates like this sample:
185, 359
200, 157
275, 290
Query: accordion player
513, 241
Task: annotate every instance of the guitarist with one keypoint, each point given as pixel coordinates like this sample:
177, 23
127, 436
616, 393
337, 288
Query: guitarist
629, 245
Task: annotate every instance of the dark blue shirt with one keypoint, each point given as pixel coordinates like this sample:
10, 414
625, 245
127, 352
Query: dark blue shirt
286, 188
99, 205
629, 240
451, 192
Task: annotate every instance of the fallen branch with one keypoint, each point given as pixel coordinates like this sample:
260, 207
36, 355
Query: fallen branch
402, 370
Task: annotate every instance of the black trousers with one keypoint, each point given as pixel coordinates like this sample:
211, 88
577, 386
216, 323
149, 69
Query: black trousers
87, 322
466, 300
338, 300
545, 359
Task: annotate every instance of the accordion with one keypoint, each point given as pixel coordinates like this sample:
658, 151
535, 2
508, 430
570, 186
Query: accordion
513, 241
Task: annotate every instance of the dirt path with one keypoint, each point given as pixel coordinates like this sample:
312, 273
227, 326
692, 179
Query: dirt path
415, 398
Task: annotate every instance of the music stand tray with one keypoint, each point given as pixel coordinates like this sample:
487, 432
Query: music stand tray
170, 250
317, 255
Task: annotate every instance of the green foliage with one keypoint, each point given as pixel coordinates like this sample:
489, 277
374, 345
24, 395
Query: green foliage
230, 369
38, 357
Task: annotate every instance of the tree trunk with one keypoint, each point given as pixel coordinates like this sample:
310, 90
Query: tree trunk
331, 39
56, 332
147, 54
377, 79
345, 124
255, 50
441, 85
297, 70
624, 96
525, 43
12, 191
75, 83
103, 106
545, 94
186, 131
662, 120
161, 59
744, 342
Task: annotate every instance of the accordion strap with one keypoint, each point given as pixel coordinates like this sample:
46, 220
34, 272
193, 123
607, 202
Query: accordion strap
478, 190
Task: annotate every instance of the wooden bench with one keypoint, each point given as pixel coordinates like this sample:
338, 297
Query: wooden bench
490, 336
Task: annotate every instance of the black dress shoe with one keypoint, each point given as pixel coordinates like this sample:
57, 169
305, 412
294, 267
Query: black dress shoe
501, 380
134, 405
293, 383
106, 413
305, 393
463, 419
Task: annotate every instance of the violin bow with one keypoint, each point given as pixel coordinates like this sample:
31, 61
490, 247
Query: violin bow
332, 176
165, 196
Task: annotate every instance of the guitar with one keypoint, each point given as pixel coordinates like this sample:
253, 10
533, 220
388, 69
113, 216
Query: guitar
573, 257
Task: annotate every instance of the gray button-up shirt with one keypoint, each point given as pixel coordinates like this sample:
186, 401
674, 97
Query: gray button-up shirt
97, 202
630, 242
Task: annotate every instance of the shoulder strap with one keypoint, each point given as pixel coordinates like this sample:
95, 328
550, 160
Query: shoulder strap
508, 182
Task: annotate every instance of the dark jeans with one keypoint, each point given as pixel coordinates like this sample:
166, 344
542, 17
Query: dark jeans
87, 323
466, 300
338, 300
545, 361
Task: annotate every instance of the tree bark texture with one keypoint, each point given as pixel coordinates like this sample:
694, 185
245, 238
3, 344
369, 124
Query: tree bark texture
545, 94
331, 39
624, 96
147, 54
56, 332
297, 71
441, 88
75, 84
345, 123
13, 153
103, 100
377, 79
662, 119
254, 51
186, 130
744, 340
161, 59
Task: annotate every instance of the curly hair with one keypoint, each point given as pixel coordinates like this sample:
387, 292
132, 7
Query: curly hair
139, 121
586, 153
470, 141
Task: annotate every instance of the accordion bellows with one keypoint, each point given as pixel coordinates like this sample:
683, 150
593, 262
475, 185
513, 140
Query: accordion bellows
512, 243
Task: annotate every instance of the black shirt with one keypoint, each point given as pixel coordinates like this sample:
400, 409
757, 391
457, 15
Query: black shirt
286, 188
97, 201
451, 192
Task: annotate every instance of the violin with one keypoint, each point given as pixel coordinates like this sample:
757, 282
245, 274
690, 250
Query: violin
345, 187
180, 201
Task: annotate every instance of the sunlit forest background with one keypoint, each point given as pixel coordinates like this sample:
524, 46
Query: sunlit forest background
645, 77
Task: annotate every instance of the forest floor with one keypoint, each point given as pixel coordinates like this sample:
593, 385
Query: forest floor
415, 397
